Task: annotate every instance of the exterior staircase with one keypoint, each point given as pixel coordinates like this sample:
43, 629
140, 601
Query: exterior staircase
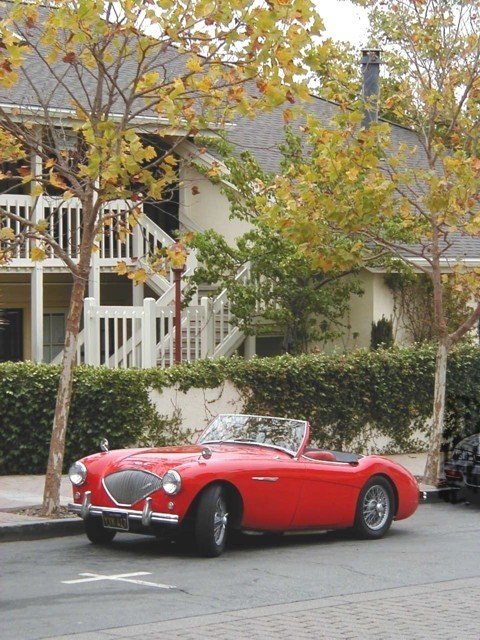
143, 336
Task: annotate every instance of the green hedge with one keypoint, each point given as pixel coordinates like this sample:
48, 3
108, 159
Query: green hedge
110, 403
346, 398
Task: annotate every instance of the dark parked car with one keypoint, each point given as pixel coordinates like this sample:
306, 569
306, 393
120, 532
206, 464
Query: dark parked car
462, 471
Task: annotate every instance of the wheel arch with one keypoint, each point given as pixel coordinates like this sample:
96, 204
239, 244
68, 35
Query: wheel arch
393, 487
234, 502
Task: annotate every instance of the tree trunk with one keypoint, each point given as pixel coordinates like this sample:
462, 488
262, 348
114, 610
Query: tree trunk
433, 466
51, 494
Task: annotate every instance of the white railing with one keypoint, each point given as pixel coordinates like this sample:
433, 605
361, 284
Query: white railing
192, 329
142, 337
108, 330
64, 224
20, 206
223, 316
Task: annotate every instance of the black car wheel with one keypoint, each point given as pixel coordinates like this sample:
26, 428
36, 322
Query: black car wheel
375, 509
211, 522
97, 533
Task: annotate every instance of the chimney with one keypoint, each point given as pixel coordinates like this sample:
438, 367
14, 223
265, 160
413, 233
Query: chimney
371, 85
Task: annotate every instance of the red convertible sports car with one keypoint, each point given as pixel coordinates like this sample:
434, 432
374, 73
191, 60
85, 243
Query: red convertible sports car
246, 473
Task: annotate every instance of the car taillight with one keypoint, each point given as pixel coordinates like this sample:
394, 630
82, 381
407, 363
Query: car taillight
453, 473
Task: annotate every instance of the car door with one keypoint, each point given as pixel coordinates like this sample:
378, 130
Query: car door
328, 495
271, 491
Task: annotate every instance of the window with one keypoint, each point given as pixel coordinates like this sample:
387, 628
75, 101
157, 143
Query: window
11, 334
54, 324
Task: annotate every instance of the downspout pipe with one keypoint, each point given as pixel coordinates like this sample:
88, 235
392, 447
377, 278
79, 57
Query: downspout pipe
371, 85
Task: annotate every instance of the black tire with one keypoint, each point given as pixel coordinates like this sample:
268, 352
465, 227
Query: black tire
211, 522
97, 533
375, 509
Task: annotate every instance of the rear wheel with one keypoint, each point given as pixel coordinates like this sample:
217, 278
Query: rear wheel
97, 533
375, 509
211, 522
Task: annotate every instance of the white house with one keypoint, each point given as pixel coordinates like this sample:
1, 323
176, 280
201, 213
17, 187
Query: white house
132, 325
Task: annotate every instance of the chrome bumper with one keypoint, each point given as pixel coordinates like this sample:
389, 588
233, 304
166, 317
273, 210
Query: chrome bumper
146, 516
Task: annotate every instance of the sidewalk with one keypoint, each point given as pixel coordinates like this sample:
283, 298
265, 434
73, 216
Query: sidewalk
17, 492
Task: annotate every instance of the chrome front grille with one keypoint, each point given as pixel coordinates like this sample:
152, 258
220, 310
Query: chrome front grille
129, 486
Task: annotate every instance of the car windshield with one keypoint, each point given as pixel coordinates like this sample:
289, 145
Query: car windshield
281, 433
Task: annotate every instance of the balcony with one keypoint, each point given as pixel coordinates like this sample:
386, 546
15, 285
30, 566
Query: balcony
64, 218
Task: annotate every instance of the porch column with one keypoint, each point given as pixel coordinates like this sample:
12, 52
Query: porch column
94, 278
250, 347
36, 292
36, 280
138, 290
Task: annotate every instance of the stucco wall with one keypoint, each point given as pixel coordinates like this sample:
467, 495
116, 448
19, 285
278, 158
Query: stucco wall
197, 407
207, 207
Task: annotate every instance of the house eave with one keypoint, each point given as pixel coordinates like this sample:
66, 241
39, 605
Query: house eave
60, 114
446, 264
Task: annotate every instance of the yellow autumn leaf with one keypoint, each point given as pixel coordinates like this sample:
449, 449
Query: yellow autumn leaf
7, 233
132, 220
171, 160
121, 268
37, 254
287, 115
41, 226
193, 64
139, 276
57, 181
176, 255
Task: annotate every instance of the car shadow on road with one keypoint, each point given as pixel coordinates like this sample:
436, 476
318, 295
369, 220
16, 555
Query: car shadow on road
143, 545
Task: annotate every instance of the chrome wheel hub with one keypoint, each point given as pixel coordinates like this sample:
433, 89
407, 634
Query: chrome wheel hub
220, 521
376, 507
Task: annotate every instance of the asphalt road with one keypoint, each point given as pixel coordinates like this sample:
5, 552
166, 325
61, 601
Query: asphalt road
66, 586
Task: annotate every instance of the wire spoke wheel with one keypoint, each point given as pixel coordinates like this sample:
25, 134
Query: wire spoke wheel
375, 508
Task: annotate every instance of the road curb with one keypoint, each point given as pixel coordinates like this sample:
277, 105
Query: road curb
16, 532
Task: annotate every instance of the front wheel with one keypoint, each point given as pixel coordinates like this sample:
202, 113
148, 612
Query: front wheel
375, 509
97, 533
211, 522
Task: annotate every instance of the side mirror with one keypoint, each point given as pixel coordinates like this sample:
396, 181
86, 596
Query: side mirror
104, 444
206, 453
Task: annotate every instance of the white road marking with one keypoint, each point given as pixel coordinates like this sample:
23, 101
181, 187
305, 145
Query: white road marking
121, 577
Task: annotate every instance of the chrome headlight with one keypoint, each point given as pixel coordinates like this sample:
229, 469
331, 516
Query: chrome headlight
172, 482
77, 473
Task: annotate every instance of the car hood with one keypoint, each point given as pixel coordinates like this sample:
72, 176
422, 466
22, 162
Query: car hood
158, 460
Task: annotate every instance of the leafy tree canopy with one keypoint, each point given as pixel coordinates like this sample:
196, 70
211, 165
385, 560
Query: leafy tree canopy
282, 292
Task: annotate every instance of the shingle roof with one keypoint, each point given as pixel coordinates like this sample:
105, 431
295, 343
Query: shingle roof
263, 136
38, 84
